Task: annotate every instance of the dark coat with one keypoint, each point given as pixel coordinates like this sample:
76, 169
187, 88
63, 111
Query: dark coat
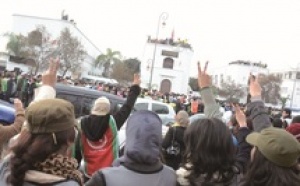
94, 126
174, 161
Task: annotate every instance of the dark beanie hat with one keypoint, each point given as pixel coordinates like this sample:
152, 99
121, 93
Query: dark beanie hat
50, 116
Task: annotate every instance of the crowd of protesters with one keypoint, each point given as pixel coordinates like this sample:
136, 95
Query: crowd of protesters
22, 86
46, 145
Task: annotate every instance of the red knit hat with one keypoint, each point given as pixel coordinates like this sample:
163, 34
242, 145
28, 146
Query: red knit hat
295, 130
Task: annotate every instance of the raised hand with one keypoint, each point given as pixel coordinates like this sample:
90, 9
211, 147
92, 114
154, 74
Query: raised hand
254, 87
136, 79
49, 77
240, 116
18, 105
203, 78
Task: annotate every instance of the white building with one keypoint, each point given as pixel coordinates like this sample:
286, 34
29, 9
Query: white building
171, 67
290, 87
23, 24
238, 72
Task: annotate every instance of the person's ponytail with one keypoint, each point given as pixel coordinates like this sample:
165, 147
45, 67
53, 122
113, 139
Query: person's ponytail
19, 163
33, 148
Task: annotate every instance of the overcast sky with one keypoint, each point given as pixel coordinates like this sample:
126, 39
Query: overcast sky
219, 30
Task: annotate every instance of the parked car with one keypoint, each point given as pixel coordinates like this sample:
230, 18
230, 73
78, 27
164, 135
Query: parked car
164, 111
7, 113
83, 98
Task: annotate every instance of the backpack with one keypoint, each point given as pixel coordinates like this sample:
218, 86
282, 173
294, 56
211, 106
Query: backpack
174, 148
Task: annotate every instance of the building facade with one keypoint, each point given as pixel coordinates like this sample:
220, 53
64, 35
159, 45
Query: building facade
23, 24
290, 87
237, 72
171, 67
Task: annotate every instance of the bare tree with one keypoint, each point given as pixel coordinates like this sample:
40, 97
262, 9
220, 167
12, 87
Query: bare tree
72, 52
36, 46
39, 46
270, 88
231, 90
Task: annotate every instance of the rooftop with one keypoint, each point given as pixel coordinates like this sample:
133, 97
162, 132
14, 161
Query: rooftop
170, 42
248, 63
63, 20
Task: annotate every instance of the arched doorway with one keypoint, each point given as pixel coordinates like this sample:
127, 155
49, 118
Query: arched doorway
165, 86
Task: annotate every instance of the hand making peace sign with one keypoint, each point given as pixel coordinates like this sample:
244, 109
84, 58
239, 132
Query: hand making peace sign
49, 77
203, 78
254, 87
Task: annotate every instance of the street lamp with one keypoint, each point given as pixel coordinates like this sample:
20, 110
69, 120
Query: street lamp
162, 18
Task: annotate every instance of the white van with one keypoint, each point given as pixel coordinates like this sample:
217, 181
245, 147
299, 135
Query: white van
163, 110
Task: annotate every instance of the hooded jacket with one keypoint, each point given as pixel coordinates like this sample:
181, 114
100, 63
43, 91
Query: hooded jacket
141, 163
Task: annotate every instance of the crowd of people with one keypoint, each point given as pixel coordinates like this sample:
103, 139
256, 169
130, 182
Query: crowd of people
46, 145
22, 86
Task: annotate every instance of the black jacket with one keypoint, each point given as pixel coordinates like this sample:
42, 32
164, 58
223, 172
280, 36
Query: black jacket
140, 164
178, 131
94, 127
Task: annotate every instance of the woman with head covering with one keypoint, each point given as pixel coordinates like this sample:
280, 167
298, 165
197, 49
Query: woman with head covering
173, 146
274, 159
40, 154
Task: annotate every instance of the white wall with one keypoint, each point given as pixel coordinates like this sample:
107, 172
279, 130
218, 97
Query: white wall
179, 75
291, 88
25, 24
237, 72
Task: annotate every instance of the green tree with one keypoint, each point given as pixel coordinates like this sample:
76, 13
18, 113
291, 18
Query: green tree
105, 61
193, 83
72, 52
16, 45
133, 65
283, 101
121, 73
